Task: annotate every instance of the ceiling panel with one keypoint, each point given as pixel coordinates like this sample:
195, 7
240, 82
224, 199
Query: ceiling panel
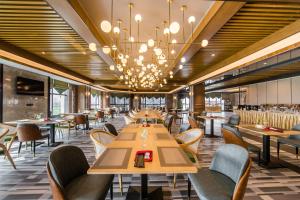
253, 22
35, 26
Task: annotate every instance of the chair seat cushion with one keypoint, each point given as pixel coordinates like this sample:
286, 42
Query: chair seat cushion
212, 185
293, 142
92, 187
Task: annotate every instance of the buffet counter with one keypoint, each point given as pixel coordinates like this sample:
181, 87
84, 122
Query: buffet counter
274, 119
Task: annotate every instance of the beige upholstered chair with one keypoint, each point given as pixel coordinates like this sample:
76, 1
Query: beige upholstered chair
101, 139
66, 125
189, 141
6, 140
129, 120
193, 122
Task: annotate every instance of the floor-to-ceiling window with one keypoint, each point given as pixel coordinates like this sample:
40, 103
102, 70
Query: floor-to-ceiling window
96, 99
183, 101
59, 97
149, 101
120, 101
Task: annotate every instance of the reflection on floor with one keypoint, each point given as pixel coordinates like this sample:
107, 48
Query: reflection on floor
30, 181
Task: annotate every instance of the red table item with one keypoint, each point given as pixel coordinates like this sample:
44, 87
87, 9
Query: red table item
280, 130
145, 157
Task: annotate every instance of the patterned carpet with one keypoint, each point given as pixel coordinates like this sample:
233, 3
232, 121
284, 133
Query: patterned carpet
30, 180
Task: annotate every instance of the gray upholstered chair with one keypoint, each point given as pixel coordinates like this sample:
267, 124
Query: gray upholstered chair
292, 140
232, 136
67, 172
168, 122
111, 129
227, 177
233, 121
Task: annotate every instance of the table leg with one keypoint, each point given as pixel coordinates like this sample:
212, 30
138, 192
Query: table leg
212, 129
266, 156
144, 192
53, 143
87, 123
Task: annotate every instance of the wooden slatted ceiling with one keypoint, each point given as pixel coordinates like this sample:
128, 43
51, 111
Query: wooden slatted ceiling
251, 23
35, 27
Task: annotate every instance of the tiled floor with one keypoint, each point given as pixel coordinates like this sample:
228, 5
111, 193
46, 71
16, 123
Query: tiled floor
30, 181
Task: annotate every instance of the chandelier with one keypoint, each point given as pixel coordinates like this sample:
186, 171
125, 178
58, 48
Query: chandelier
144, 64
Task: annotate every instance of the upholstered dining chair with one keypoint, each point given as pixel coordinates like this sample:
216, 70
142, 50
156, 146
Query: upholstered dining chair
189, 141
193, 122
232, 136
233, 121
30, 133
168, 122
108, 127
292, 140
128, 120
227, 176
99, 116
5, 143
80, 120
67, 124
101, 139
67, 173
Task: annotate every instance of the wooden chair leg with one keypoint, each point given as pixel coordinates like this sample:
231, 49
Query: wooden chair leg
297, 152
121, 184
174, 181
7, 154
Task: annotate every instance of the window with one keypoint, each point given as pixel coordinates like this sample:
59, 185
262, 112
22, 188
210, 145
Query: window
95, 101
58, 101
120, 101
152, 101
183, 101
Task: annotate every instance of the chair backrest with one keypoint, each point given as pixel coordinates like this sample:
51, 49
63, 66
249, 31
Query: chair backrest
234, 120
193, 122
69, 117
232, 136
100, 114
231, 160
169, 121
190, 139
295, 128
80, 119
101, 139
67, 163
111, 129
128, 120
28, 132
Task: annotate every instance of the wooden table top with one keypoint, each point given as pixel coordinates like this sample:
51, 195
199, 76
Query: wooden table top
253, 129
159, 140
152, 114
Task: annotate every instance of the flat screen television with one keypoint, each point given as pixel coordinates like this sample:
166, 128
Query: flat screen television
26, 86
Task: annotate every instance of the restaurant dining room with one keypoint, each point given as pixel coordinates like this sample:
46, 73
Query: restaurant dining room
149, 99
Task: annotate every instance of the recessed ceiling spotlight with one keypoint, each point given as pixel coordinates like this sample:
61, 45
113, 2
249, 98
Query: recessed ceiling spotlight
213, 55
183, 59
265, 63
180, 66
204, 43
116, 30
43, 52
92, 47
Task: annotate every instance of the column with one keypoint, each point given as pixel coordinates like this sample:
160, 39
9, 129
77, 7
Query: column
199, 98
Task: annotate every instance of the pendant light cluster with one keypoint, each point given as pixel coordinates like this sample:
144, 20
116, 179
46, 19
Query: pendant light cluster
143, 63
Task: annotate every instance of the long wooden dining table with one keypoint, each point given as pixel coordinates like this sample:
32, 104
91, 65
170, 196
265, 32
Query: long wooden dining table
266, 134
120, 155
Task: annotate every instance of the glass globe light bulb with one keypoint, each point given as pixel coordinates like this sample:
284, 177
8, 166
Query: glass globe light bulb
204, 43
191, 19
174, 27
106, 49
105, 26
92, 47
150, 42
138, 18
112, 67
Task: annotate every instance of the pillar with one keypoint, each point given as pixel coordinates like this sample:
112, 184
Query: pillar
199, 98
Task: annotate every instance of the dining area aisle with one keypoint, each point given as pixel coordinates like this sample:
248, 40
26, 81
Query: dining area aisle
30, 180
